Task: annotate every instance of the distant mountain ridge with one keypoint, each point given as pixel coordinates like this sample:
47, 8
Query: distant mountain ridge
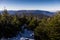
34, 12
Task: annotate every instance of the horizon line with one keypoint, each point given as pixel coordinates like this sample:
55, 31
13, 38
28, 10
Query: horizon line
30, 9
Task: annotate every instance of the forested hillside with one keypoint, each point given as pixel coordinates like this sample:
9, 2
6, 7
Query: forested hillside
45, 28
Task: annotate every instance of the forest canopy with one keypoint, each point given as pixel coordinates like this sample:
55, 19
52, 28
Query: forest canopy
45, 28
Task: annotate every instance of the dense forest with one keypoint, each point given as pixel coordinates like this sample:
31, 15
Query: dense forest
45, 28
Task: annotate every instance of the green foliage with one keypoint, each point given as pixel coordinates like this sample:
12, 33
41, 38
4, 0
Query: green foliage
32, 23
9, 25
44, 29
48, 29
41, 32
55, 27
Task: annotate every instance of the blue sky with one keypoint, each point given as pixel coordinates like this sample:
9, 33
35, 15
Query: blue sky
49, 5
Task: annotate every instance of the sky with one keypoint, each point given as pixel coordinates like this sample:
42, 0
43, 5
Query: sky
48, 5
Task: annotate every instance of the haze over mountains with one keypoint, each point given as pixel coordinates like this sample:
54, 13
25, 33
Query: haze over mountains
34, 12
